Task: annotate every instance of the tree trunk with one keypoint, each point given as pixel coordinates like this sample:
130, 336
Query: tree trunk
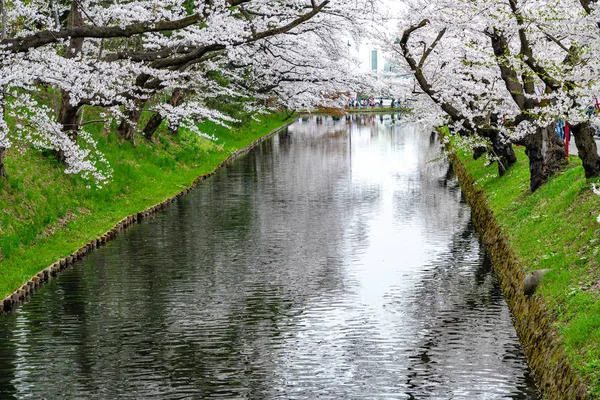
152, 125
2, 170
587, 149
155, 121
174, 130
546, 152
126, 128
67, 117
503, 151
501, 147
479, 151
3, 17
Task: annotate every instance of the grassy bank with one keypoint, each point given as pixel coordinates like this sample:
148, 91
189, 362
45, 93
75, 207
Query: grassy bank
47, 214
555, 228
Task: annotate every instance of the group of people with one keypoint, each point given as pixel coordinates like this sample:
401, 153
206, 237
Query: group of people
591, 110
370, 102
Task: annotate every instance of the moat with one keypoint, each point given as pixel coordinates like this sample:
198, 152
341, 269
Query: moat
336, 260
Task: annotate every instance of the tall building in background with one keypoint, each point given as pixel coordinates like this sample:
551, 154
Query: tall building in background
374, 60
371, 58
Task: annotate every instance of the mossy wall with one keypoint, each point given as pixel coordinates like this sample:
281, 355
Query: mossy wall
555, 377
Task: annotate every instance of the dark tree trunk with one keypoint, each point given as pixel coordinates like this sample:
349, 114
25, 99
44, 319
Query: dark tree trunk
174, 130
126, 128
503, 151
155, 121
152, 125
2, 170
67, 117
501, 147
479, 151
587, 149
546, 153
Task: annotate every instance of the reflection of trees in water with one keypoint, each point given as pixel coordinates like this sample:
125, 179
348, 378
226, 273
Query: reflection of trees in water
418, 197
428, 198
100, 323
8, 356
464, 320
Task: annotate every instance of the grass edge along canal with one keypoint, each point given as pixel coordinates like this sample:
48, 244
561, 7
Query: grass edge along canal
556, 228
47, 214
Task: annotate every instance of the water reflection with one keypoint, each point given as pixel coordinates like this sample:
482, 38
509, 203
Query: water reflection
335, 261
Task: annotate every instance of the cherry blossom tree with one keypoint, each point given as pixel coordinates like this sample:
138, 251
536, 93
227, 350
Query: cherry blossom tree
507, 71
168, 57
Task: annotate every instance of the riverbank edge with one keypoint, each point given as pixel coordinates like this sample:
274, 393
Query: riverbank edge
23, 293
554, 375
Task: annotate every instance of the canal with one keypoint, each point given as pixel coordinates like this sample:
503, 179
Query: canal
336, 260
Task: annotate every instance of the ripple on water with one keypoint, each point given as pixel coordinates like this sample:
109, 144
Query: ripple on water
320, 265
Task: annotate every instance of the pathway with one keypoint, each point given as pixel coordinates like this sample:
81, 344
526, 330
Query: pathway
573, 147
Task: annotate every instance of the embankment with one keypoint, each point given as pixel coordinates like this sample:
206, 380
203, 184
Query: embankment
555, 228
51, 220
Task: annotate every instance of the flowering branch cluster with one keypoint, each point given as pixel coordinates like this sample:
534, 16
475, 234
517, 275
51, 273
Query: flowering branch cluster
176, 58
508, 71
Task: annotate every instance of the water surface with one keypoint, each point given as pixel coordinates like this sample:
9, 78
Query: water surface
335, 261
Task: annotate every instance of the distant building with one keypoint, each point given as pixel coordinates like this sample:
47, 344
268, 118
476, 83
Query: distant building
372, 59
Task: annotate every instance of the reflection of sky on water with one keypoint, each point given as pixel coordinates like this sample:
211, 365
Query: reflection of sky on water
397, 249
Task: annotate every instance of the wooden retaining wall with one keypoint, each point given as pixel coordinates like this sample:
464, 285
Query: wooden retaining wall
22, 294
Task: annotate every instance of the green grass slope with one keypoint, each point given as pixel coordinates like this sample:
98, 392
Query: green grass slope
556, 227
46, 214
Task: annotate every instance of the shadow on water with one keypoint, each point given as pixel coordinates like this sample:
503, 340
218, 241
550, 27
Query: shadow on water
335, 261
473, 301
